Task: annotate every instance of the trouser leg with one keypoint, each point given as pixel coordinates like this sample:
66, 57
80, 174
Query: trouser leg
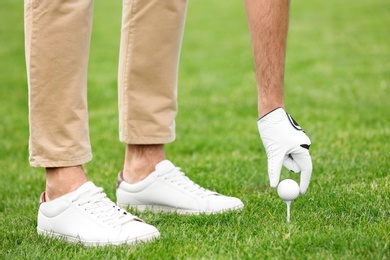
148, 69
57, 40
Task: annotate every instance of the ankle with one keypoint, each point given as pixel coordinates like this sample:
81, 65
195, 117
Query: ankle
137, 172
62, 180
140, 161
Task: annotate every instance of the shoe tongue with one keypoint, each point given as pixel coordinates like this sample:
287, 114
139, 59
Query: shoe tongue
164, 166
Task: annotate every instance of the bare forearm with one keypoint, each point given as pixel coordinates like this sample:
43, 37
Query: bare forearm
268, 26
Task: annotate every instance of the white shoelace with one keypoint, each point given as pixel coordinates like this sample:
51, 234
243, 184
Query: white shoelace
178, 177
96, 202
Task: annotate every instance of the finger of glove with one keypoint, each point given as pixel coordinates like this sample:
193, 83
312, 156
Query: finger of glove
274, 167
290, 164
304, 162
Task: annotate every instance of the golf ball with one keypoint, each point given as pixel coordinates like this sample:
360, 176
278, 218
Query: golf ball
288, 190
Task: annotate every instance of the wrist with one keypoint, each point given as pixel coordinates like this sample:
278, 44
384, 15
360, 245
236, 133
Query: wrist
266, 109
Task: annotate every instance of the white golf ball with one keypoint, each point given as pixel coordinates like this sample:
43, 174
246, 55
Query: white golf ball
288, 190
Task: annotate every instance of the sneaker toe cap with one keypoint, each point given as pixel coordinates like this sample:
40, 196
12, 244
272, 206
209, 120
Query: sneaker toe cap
223, 203
136, 231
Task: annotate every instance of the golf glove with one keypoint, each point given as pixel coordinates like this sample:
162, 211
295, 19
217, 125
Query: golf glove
285, 144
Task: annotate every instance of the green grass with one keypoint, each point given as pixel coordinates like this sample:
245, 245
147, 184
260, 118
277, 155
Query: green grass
337, 87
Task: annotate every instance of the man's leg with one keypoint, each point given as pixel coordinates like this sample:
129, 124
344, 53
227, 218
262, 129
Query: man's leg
150, 46
148, 66
57, 49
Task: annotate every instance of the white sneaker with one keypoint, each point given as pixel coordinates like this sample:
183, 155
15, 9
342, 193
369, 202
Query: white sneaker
86, 215
168, 189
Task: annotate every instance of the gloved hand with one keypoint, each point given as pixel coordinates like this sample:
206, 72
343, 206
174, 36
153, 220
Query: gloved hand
285, 144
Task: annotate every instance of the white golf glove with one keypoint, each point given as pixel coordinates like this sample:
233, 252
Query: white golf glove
285, 144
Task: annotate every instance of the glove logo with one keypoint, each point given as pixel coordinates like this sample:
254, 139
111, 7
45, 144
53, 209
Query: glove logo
306, 146
294, 123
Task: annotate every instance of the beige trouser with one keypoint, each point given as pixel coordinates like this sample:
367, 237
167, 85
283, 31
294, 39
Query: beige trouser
57, 38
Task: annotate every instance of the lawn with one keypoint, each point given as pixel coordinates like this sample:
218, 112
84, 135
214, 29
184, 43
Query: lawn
337, 87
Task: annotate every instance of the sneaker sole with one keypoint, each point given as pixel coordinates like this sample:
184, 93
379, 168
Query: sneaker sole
140, 239
165, 209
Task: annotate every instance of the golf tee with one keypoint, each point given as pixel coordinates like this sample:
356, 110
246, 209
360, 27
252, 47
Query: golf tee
288, 210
